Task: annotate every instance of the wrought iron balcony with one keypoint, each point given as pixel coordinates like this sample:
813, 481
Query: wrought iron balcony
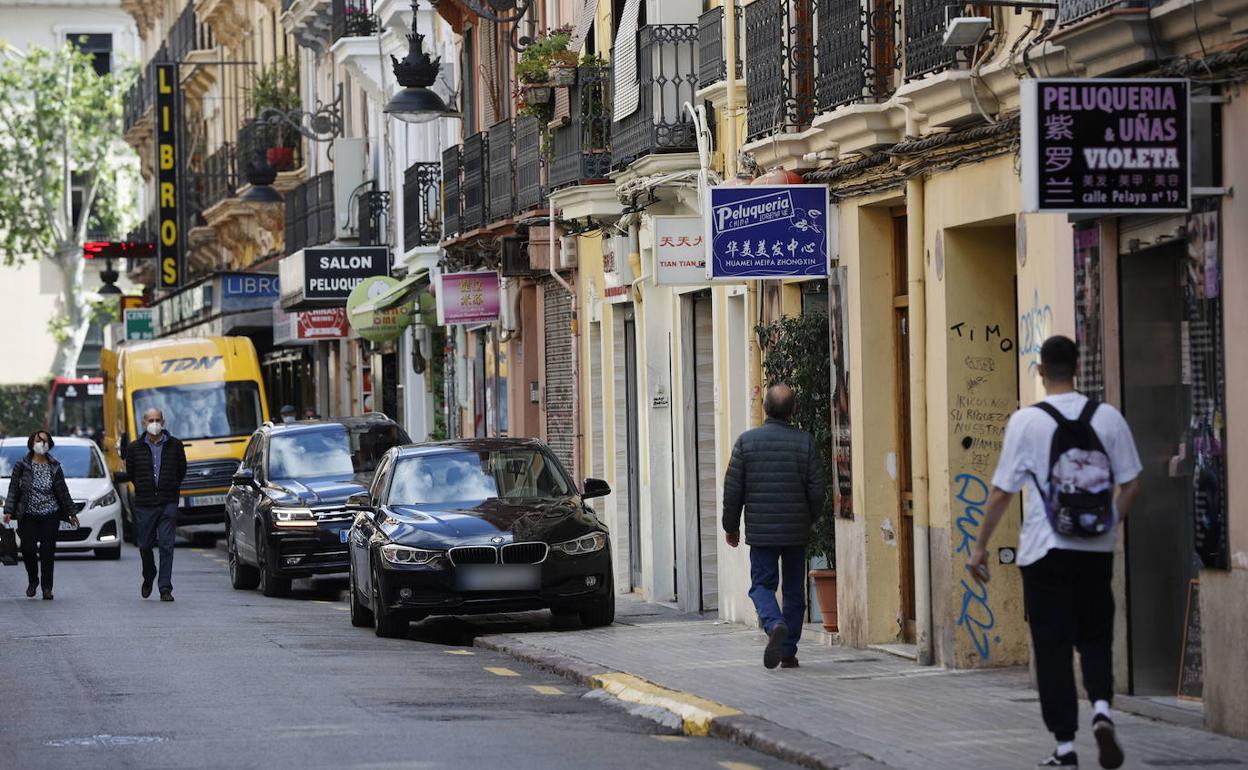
780, 66
712, 68
476, 182
373, 218
310, 213
189, 34
215, 179
422, 212
452, 191
1071, 11
141, 97
855, 51
925, 31
667, 70
530, 193
353, 18
581, 150
502, 174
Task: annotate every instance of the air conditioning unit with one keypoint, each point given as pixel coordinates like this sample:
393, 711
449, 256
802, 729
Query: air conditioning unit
515, 257
350, 172
566, 254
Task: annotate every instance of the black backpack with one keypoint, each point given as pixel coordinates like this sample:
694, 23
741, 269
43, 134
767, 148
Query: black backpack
1080, 500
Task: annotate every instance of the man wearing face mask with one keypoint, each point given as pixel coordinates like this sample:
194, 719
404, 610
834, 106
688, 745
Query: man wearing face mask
156, 464
288, 413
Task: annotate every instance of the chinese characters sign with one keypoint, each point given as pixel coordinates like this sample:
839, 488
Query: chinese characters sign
679, 250
1106, 145
769, 232
468, 298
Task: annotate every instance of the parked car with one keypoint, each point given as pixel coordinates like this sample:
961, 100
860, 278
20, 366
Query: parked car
99, 510
477, 526
285, 512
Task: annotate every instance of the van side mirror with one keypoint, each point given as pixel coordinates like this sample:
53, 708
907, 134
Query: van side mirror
244, 477
595, 488
360, 501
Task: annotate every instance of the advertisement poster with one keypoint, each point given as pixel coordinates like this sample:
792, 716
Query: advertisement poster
783, 231
381, 325
465, 298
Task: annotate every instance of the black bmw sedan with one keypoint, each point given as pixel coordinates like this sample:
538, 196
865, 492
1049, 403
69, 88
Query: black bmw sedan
477, 526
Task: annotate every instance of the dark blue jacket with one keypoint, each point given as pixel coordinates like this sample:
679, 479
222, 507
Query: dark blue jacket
776, 476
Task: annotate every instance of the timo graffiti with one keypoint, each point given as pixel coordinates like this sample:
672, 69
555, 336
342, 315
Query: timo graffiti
976, 615
1034, 327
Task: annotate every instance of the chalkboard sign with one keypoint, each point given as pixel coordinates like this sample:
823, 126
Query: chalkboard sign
1192, 664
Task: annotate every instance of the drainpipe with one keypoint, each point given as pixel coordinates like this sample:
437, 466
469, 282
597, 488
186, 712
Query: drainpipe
730, 63
917, 333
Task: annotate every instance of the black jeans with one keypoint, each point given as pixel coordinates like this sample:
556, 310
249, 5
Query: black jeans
1070, 605
38, 534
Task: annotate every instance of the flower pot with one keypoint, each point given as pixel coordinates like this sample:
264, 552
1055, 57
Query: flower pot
825, 595
537, 95
561, 75
280, 158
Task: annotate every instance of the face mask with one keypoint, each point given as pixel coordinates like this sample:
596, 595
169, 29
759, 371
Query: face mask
288, 418
155, 428
41, 448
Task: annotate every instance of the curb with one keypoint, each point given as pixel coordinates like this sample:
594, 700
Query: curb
698, 716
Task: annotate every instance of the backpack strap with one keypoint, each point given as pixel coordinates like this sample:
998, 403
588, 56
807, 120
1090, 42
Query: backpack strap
1051, 411
1089, 409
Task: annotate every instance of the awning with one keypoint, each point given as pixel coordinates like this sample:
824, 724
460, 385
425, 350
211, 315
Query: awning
627, 95
589, 9
401, 293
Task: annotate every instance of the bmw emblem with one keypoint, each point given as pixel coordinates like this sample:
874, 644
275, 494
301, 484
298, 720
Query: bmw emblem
496, 540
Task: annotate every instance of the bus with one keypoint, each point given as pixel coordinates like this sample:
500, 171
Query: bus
212, 396
76, 408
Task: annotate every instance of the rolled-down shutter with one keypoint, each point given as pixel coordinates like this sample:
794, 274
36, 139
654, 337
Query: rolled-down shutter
624, 59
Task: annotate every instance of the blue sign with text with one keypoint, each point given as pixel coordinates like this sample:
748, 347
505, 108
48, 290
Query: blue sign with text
248, 291
769, 232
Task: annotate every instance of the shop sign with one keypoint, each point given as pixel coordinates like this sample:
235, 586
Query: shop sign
325, 276
241, 292
185, 307
1106, 145
468, 297
382, 325
617, 272
307, 326
169, 240
782, 231
138, 322
679, 251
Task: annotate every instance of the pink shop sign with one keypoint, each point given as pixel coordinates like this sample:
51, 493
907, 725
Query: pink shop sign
465, 298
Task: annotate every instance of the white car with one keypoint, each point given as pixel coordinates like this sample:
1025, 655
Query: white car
91, 486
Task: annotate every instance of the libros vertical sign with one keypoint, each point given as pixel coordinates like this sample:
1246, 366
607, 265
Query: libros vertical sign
167, 120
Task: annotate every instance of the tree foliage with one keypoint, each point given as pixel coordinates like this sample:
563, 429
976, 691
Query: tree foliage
796, 351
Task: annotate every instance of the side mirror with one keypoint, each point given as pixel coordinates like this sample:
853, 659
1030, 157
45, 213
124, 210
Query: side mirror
360, 501
121, 477
245, 477
595, 488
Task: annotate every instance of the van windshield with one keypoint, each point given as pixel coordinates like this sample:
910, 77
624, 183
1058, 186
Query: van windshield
203, 410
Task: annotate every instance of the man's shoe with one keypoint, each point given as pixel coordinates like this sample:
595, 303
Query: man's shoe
146, 590
775, 642
166, 596
1107, 742
30, 590
1068, 760
47, 594
789, 661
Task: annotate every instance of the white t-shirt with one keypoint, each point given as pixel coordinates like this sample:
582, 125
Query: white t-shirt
1028, 440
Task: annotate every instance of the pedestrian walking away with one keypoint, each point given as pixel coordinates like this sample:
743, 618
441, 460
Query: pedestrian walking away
1079, 459
775, 477
39, 499
156, 465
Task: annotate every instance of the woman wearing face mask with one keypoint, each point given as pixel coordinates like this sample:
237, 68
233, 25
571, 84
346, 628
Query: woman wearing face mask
39, 499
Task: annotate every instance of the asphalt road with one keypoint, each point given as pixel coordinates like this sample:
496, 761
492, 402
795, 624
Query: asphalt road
99, 678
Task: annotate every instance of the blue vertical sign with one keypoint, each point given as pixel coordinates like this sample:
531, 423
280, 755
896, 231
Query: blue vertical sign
769, 232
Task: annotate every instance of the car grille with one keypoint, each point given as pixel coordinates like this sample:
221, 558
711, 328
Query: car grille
332, 515
78, 506
524, 553
474, 554
206, 474
73, 535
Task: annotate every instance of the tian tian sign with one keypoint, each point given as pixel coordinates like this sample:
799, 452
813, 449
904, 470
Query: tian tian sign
1106, 145
679, 250
769, 232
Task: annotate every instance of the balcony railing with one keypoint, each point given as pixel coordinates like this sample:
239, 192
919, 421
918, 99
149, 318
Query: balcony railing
452, 191
422, 212
216, 179
1071, 11
141, 95
667, 69
530, 193
712, 68
189, 34
310, 213
373, 218
926, 51
502, 174
581, 150
353, 18
855, 52
476, 182
780, 66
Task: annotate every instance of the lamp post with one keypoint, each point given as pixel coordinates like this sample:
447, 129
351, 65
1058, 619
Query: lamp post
416, 102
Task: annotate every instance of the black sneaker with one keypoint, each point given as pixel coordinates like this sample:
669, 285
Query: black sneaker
775, 644
1107, 742
146, 590
166, 596
1070, 759
30, 590
47, 594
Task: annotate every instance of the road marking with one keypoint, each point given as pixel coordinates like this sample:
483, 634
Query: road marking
344, 609
459, 652
670, 738
545, 689
322, 601
738, 766
500, 671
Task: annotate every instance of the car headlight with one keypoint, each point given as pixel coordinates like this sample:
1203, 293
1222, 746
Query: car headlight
293, 517
402, 554
587, 544
105, 501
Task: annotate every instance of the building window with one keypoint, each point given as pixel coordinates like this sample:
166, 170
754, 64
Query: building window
99, 46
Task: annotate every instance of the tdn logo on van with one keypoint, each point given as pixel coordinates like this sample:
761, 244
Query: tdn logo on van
188, 364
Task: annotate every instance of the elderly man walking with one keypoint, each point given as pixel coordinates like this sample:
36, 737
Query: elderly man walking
156, 464
776, 476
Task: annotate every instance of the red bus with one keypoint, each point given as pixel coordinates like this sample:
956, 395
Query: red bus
76, 407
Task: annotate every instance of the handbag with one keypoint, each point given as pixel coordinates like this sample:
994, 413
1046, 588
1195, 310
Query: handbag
8, 546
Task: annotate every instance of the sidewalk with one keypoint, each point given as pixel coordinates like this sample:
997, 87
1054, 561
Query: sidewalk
845, 707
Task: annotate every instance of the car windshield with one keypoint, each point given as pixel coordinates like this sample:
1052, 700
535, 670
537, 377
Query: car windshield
469, 478
203, 410
310, 454
78, 462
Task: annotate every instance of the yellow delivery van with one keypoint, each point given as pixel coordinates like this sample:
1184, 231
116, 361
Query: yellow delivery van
212, 396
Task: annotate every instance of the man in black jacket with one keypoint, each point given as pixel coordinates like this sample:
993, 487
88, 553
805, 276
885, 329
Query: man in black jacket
156, 464
776, 475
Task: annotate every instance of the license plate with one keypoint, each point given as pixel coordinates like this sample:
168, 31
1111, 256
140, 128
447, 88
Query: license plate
67, 526
343, 534
498, 577
202, 500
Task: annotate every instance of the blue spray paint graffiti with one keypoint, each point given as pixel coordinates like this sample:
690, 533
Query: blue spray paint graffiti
977, 616
1034, 326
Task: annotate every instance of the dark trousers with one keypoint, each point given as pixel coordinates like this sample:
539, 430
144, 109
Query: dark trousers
156, 525
38, 534
1070, 605
771, 567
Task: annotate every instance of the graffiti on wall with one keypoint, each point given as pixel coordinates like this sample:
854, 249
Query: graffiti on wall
1035, 325
976, 617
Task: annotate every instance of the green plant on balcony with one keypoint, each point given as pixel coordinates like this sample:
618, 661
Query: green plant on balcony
276, 87
547, 60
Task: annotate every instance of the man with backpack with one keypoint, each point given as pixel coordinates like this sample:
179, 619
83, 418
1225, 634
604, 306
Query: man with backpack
1074, 453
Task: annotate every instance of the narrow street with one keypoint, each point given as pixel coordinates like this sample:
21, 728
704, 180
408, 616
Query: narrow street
99, 678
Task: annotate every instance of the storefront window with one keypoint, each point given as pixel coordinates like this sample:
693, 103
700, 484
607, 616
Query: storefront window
1088, 328
838, 317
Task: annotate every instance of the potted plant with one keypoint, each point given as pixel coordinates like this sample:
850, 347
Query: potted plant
276, 89
546, 59
796, 352
562, 68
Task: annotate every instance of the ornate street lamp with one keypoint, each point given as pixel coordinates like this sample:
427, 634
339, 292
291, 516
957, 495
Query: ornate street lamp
417, 103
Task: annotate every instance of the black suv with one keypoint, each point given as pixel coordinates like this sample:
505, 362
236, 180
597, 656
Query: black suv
285, 513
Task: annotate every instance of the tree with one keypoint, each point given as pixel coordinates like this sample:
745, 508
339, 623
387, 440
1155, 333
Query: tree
60, 131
